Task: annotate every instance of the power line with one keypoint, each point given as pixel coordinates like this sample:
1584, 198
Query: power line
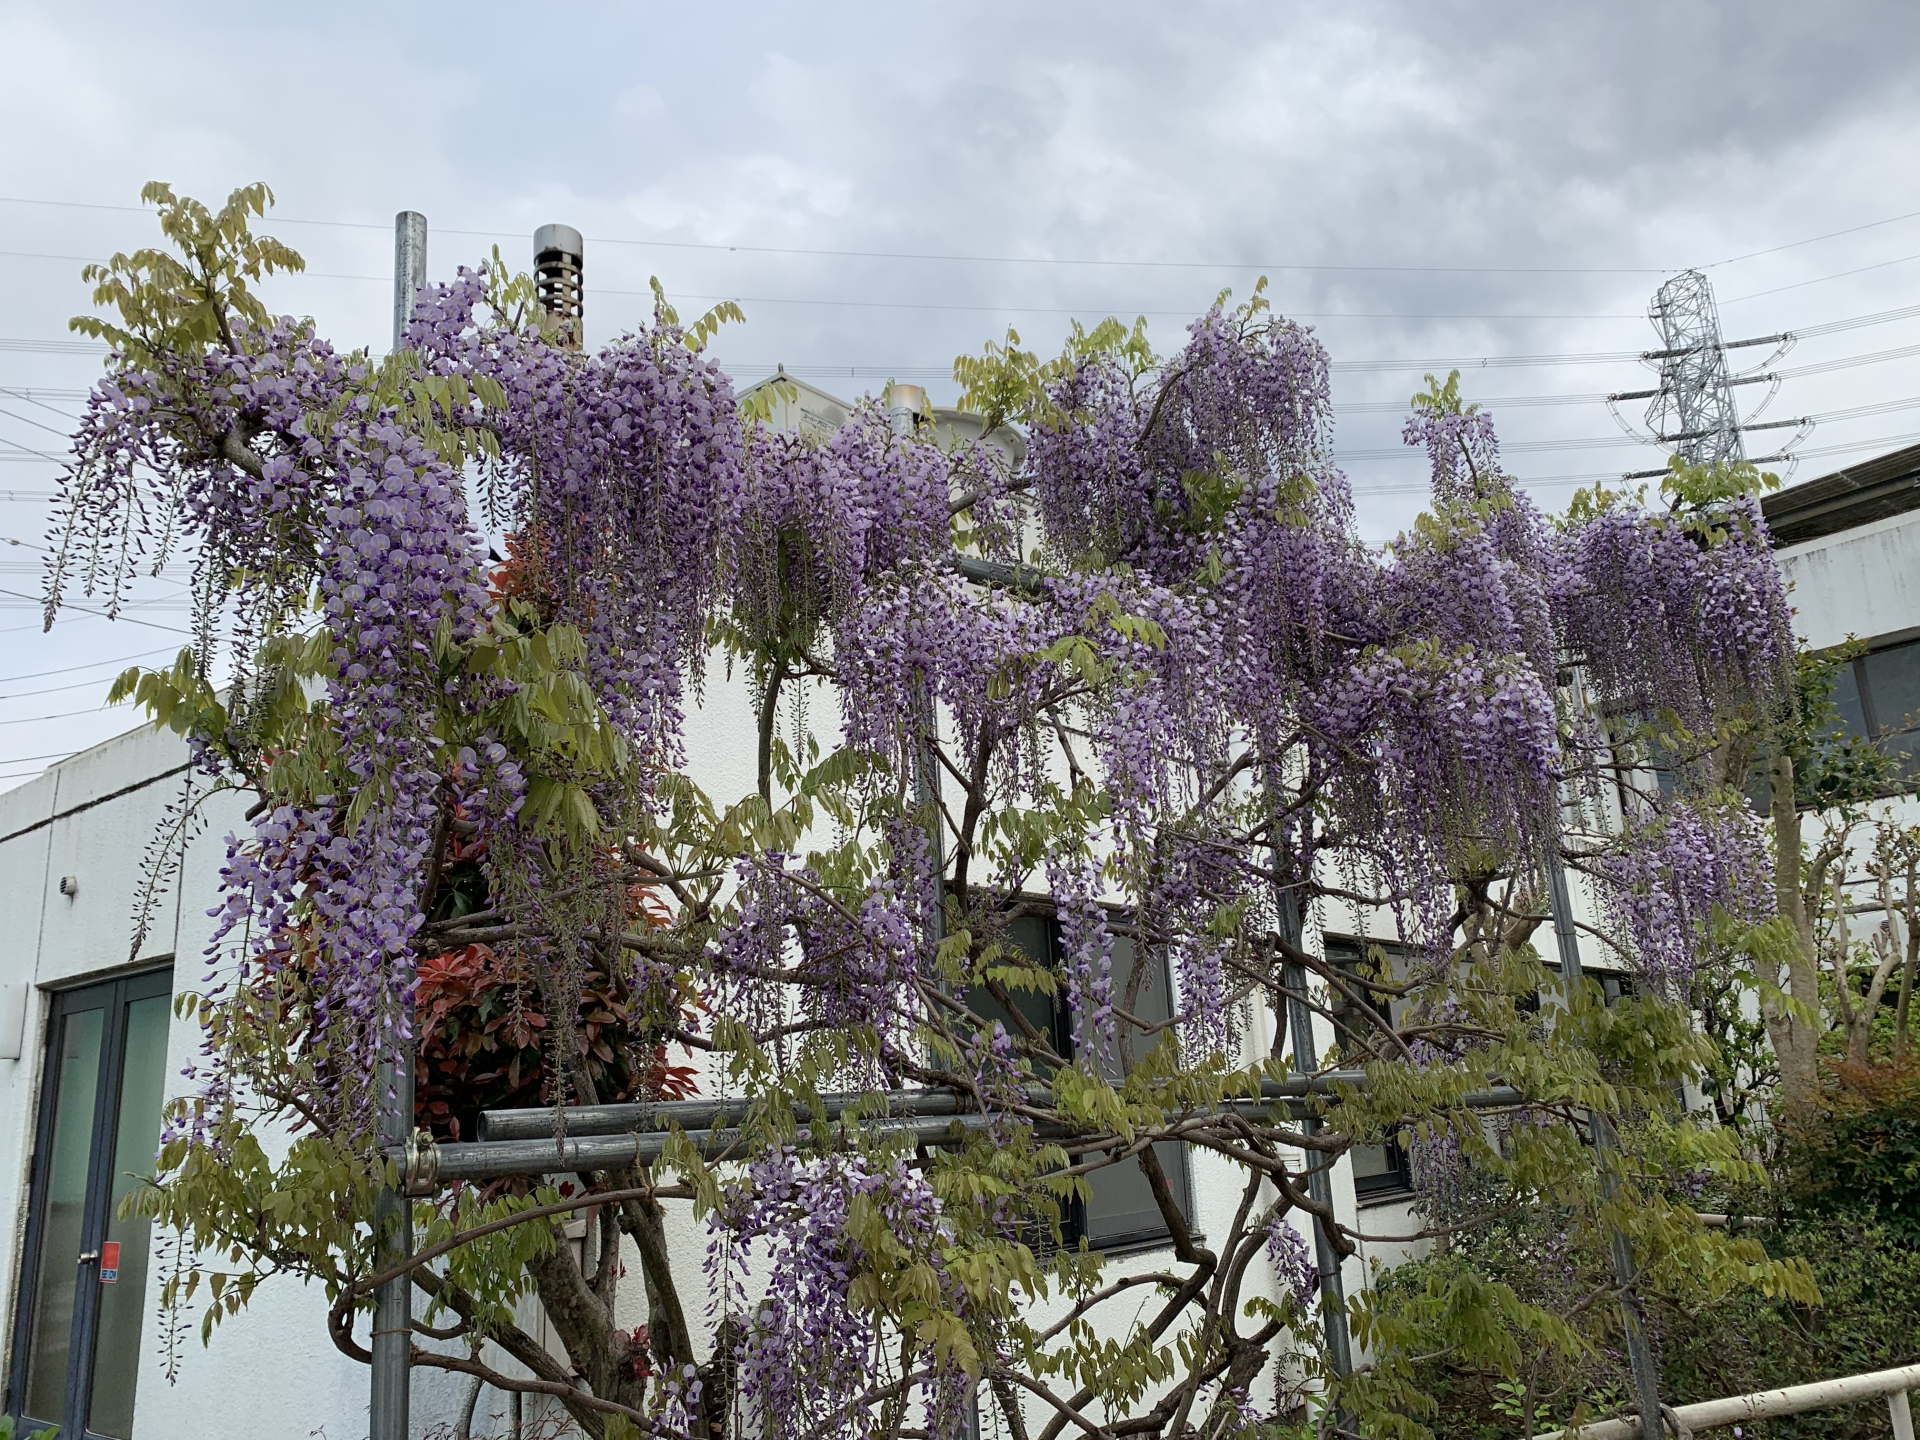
101, 614
1853, 445
1829, 417
30, 396
942, 372
56, 689
1847, 362
1821, 280
28, 450
1035, 259
1879, 317
926, 255
54, 347
930, 305
37, 424
1611, 442
1812, 239
1422, 487
90, 665
1488, 402
63, 715
1090, 309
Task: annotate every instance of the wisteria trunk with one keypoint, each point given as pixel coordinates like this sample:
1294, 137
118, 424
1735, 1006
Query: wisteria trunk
1795, 1043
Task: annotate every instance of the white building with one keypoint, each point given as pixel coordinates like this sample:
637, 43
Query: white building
1849, 545
89, 1043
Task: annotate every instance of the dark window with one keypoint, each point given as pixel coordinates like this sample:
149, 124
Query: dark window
1121, 1210
1846, 699
1361, 960
1878, 697
1890, 697
1613, 986
1379, 1171
83, 1273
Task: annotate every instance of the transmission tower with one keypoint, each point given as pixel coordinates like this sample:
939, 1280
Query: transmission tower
1693, 411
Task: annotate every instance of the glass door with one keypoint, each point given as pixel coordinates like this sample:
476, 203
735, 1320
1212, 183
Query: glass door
77, 1351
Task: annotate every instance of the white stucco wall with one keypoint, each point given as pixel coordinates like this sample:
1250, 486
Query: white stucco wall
1863, 582
1860, 584
271, 1371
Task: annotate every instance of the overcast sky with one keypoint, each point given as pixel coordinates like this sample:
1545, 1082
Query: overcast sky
884, 187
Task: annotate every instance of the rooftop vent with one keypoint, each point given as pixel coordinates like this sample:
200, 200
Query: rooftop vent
559, 264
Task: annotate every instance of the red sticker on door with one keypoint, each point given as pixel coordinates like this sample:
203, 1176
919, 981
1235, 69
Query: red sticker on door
109, 1262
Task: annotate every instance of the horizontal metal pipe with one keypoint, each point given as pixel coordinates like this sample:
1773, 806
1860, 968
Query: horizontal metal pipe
1763, 1404
621, 1119
490, 1159
540, 1124
594, 1143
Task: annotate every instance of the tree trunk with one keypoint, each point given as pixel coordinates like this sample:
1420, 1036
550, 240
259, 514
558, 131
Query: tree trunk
1903, 1008
1795, 1042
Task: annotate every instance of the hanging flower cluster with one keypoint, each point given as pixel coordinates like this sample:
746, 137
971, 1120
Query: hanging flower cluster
1662, 889
841, 1241
1678, 611
1293, 1262
376, 523
619, 471
793, 944
1086, 947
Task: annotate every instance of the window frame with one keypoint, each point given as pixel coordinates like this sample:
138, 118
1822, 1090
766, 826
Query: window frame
114, 995
1074, 1224
1876, 730
1345, 954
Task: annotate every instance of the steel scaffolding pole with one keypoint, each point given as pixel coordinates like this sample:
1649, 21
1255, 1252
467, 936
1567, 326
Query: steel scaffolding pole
388, 1407
1306, 1060
1646, 1371
619, 1136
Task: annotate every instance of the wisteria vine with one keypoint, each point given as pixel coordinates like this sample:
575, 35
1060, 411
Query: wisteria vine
1185, 703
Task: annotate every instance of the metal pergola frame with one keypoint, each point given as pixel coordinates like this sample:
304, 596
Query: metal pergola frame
624, 1136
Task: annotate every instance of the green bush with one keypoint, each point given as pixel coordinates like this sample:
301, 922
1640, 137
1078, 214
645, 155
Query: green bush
1846, 1200
1863, 1161
1870, 1290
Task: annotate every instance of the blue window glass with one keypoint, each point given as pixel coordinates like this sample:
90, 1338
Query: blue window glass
1846, 699
1893, 687
1121, 1209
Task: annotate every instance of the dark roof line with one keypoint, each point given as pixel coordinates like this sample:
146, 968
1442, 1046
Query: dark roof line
1845, 499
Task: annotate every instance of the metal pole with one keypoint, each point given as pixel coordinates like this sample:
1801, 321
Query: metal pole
658, 1117
1333, 1295
1646, 1372
524, 1142
387, 1406
904, 406
1770, 1404
409, 267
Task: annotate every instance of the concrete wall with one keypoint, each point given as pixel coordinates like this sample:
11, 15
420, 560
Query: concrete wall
1863, 582
1860, 584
